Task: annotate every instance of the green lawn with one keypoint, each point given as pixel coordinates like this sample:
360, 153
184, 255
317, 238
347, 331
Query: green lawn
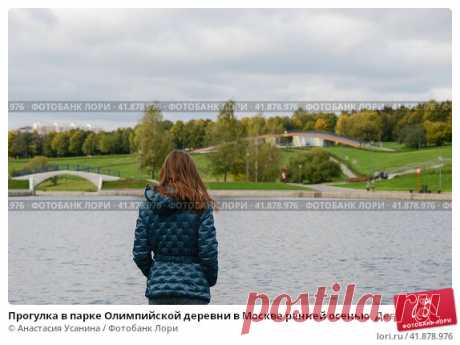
203, 165
18, 184
409, 182
127, 165
253, 186
367, 162
395, 146
67, 183
361, 161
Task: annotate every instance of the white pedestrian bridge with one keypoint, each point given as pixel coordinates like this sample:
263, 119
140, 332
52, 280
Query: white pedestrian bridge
36, 178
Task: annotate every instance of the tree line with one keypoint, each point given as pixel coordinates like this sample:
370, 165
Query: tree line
428, 123
73, 142
238, 150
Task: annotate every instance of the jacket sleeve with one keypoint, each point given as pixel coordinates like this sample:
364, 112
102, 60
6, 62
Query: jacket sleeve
207, 246
142, 253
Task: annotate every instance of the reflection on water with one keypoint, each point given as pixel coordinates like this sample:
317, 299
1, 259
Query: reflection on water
85, 257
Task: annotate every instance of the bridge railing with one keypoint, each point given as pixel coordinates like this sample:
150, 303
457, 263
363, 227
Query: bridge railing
58, 167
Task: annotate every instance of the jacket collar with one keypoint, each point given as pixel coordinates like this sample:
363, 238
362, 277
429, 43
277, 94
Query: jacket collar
159, 200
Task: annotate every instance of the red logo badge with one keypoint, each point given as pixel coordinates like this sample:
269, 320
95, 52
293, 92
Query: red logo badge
425, 309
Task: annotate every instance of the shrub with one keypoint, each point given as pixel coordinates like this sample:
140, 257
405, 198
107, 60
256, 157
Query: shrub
37, 163
413, 136
313, 167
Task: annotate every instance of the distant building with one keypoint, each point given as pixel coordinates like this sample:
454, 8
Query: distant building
25, 129
309, 139
55, 127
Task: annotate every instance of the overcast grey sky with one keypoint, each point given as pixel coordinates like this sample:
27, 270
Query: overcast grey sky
244, 54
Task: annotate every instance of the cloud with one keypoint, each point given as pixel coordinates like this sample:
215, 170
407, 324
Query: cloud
217, 54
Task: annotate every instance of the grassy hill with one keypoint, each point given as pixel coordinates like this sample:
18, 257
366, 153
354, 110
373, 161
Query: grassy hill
125, 164
431, 178
367, 162
361, 161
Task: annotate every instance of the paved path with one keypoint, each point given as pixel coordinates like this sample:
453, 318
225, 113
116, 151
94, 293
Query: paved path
345, 170
323, 187
338, 193
412, 171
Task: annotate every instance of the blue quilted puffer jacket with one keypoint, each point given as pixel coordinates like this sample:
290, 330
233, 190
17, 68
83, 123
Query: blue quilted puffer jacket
184, 247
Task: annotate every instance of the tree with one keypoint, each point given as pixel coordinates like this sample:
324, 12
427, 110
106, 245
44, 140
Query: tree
449, 128
366, 126
153, 141
227, 127
228, 158
263, 162
327, 123
210, 137
195, 133
20, 145
320, 124
133, 141
60, 144
275, 125
413, 136
106, 142
313, 167
390, 118
436, 112
36, 164
35, 144
254, 126
12, 135
411, 117
89, 146
121, 141
437, 132
303, 120
343, 125
76, 140
178, 135
47, 148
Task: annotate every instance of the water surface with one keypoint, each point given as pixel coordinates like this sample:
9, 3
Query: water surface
84, 257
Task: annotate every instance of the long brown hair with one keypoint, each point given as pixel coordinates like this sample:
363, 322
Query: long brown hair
179, 179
